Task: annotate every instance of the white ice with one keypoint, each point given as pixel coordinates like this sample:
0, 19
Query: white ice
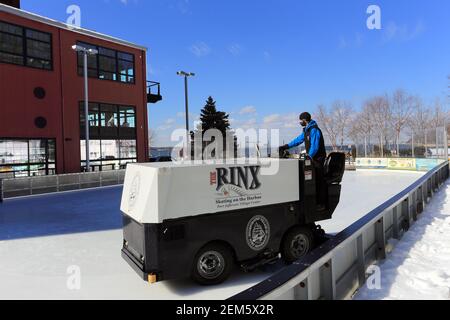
41, 237
419, 265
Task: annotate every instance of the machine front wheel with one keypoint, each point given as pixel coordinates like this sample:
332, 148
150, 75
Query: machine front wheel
297, 243
212, 264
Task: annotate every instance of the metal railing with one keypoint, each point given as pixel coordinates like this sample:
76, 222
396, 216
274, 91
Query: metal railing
12, 188
337, 269
152, 85
153, 97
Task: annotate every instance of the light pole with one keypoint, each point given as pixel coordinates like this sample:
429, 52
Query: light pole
186, 75
86, 52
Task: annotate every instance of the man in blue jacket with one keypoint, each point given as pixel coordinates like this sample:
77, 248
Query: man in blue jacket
315, 148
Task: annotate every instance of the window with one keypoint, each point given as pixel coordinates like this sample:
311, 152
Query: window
94, 120
110, 149
109, 154
127, 149
37, 151
108, 64
112, 136
27, 157
92, 62
26, 47
127, 117
126, 67
109, 121
93, 114
108, 116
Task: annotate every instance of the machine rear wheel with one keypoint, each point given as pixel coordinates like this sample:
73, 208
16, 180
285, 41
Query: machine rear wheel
212, 264
296, 243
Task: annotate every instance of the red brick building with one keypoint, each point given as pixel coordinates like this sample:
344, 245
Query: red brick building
42, 97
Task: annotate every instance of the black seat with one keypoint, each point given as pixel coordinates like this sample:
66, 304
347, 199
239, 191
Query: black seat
334, 167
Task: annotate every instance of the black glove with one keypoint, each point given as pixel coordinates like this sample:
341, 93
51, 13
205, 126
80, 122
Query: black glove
282, 149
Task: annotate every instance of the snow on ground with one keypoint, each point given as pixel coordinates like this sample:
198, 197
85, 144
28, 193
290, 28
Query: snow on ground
419, 265
41, 237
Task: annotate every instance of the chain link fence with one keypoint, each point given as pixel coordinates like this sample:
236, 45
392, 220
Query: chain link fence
423, 144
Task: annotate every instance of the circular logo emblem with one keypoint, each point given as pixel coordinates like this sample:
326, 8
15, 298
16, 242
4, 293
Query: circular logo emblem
134, 192
258, 233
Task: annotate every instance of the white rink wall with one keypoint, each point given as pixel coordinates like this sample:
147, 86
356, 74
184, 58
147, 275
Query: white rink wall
419, 265
41, 237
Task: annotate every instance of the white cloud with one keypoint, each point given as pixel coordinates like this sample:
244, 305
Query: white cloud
200, 49
248, 110
342, 43
183, 6
251, 123
164, 127
286, 123
277, 121
393, 31
126, 2
183, 115
234, 49
151, 71
273, 118
351, 42
244, 124
168, 124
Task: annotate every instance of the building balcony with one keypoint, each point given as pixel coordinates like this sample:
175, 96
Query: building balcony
153, 92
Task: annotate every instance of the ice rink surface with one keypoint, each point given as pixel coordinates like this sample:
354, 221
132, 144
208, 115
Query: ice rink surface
46, 240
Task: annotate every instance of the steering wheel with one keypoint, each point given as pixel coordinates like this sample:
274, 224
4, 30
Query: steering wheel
285, 155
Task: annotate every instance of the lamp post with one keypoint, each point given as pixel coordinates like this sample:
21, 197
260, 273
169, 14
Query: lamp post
86, 52
186, 75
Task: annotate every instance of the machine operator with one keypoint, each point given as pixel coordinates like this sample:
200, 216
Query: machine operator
315, 148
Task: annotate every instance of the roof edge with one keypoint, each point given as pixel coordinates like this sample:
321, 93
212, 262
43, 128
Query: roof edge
61, 25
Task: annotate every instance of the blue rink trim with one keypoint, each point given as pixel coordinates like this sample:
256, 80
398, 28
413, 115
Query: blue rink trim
61, 213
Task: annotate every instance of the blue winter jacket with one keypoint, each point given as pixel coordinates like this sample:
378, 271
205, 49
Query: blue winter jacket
315, 139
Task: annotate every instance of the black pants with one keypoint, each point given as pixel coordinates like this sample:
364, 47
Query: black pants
321, 186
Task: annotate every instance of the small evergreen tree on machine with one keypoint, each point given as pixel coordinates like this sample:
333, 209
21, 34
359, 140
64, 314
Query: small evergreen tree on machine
211, 118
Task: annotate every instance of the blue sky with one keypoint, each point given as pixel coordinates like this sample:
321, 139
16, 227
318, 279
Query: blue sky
266, 61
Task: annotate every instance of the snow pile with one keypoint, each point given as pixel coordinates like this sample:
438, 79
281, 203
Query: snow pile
419, 265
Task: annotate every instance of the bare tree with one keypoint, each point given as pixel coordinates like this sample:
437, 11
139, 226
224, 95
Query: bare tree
326, 121
367, 126
379, 110
420, 120
439, 115
439, 119
357, 131
341, 115
401, 109
386, 119
151, 137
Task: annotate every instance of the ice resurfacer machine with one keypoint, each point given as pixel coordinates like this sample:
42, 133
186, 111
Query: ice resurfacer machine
200, 220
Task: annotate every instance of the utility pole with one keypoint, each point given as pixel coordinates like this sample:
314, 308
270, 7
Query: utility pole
186, 75
86, 52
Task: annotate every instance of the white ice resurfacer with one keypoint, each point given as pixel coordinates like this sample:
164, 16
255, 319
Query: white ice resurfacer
200, 219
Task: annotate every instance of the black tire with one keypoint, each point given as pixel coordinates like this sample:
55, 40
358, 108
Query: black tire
212, 264
297, 242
